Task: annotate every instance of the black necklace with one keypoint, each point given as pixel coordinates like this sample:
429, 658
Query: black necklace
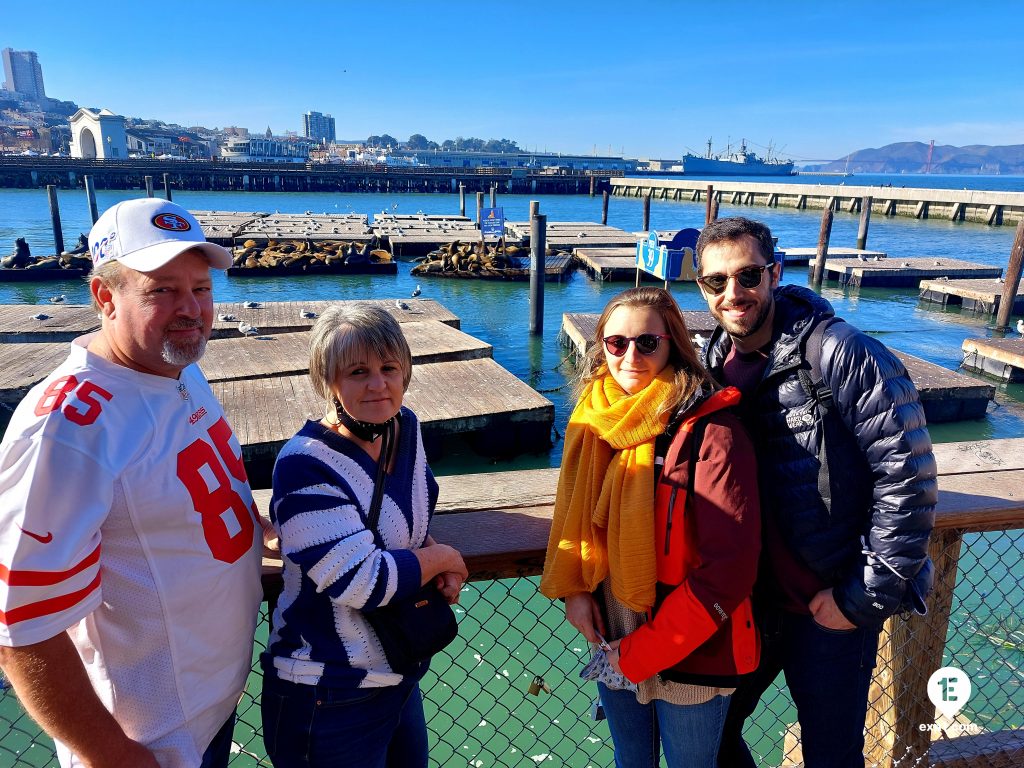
364, 430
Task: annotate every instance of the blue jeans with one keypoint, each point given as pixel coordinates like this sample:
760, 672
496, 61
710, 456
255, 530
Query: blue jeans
313, 726
828, 673
219, 750
688, 733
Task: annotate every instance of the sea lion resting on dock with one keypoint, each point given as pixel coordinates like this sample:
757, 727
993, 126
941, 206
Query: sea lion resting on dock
21, 256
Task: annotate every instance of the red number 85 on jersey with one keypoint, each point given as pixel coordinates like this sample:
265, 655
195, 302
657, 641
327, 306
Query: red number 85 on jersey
227, 524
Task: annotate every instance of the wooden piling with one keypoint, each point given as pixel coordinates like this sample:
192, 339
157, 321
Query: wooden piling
167, 186
714, 209
494, 195
708, 197
604, 208
90, 196
647, 212
593, 184
1012, 279
534, 209
58, 233
462, 199
823, 237
538, 246
149, 186
865, 220
479, 209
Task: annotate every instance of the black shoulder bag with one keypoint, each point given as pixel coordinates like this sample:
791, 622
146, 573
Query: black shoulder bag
415, 628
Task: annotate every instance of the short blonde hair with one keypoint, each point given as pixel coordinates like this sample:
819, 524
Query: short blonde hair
343, 332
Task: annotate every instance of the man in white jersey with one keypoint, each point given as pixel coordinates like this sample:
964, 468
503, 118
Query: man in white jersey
129, 541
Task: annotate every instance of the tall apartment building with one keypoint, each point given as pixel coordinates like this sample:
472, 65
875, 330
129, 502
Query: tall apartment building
318, 127
23, 75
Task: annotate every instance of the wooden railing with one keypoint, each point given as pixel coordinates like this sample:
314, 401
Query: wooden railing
500, 522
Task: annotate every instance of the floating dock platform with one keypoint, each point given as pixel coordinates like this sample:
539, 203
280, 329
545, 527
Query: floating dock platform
902, 273
804, 256
978, 295
570, 235
1002, 358
945, 395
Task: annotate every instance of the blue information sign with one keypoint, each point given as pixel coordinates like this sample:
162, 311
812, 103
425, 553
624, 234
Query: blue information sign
675, 260
492, 222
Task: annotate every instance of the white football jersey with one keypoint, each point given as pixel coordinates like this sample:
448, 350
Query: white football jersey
126, 519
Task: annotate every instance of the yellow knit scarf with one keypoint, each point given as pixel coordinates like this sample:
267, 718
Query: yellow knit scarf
604, 507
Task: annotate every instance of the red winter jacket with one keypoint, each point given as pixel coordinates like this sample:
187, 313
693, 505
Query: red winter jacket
702, 631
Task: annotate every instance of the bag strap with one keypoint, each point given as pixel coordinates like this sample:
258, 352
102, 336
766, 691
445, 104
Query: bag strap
387, 445
820, 394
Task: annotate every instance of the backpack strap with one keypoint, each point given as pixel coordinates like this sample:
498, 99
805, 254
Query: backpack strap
820, 394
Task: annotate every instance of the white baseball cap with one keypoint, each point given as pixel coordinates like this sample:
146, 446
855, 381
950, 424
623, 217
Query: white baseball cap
147, 233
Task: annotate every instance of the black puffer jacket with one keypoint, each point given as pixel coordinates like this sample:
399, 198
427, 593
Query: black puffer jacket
881, 466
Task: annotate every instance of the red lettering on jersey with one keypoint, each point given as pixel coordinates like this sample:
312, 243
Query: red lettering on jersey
55, 396
197, 415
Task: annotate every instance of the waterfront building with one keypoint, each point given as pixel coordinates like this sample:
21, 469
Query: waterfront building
318, 127
266, 150
440, 158
22, 74
98, 135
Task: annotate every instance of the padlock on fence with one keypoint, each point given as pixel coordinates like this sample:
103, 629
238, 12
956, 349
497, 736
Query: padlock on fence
536, 685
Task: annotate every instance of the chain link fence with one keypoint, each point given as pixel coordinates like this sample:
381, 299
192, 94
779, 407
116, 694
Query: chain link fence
481, 713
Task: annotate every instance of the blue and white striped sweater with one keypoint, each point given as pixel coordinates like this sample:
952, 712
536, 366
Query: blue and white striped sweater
333, 568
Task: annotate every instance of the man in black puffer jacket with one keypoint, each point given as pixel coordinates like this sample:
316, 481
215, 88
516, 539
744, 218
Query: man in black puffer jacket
845, 547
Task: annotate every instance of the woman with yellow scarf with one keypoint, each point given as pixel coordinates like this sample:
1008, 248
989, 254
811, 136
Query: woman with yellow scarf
656, 534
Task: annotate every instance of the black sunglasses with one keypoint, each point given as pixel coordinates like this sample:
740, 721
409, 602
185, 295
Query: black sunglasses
749, 277
646, 343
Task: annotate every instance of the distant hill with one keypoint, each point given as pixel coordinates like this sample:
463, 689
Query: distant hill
912, 157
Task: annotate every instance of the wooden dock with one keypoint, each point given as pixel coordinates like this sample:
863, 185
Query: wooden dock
804, 256
306, 226
222, 227
419, 234
945, 395
570, 235
462, 396
287, 354
1002, 358
903, 273
272, 317
994, 208
64, 322
977, 295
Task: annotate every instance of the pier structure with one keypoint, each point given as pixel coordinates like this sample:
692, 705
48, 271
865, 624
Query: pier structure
945, 395
981, 295
210, 175
994, 208
261, 378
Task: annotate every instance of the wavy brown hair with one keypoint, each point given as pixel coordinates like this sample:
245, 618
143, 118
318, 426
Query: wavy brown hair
683, 357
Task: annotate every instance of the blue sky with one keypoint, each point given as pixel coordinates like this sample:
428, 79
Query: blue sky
651, 79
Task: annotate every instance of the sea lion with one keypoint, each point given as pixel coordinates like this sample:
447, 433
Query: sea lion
249, 244
380, 256
50, 262
20, 257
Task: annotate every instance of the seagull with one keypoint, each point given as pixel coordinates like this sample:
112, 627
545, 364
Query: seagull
581, 234
944, 279
861, 257
226, 318
399, 304
1020, 328
700, 341
876, 258
305, 314
247, 330
416, 291
40, 316
905, 264
60, 298
1000, 279
250, 304
937, 263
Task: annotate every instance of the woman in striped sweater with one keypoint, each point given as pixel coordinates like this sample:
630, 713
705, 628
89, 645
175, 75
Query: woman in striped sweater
330, 696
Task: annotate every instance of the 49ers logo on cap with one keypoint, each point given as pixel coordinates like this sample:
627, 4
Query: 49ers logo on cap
171, 222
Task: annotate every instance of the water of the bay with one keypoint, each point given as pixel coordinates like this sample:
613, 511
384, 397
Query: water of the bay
498, 314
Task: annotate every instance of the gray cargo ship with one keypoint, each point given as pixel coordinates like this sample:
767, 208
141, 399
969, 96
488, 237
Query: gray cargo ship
741, 163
